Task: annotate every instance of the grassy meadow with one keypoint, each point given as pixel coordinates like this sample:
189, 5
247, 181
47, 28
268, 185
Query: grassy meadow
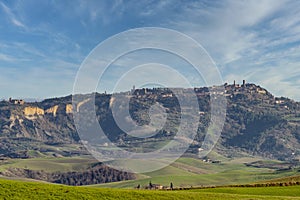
185, 172
48, 164
30, 190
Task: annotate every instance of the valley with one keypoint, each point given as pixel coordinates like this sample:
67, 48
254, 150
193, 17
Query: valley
259, 141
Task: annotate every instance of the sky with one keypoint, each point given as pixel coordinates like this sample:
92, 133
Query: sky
44, 43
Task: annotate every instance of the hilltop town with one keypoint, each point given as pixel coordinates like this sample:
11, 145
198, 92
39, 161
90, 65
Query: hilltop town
257, 124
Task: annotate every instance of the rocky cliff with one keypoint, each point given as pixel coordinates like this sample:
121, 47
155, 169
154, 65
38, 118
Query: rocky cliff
257, 123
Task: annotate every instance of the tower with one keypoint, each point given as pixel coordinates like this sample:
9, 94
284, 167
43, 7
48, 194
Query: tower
133, 89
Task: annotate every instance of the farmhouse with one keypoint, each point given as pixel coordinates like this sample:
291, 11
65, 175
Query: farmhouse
16, 101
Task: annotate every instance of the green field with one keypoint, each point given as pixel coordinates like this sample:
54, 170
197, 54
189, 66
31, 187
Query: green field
185, 172
48, 164
295, 178
29, 190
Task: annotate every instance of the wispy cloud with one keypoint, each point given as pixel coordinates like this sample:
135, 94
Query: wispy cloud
258, 40
6, 58
11, 16
47, 79
227, 29
254, 40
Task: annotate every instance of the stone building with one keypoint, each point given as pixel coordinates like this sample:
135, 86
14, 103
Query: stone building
16, 101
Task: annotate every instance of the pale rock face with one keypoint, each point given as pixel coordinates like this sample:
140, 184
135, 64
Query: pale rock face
69, 108
111, 101
32, 111
12, 119
52, 110
81, 103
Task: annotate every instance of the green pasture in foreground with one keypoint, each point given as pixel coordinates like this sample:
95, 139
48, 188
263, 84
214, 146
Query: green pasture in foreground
185, 172
30, 190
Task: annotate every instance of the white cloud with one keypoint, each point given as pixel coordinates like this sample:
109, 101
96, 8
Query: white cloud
279, 80
4, 57
51, 78
254, 40
12, 16
150, 8
225, 30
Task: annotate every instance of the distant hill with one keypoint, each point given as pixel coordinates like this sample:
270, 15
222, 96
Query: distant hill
257, 123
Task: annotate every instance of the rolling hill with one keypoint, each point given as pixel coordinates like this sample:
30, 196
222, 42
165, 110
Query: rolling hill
257, 123
40, 139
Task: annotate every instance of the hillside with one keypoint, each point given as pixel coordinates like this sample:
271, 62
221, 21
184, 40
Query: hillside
257, 123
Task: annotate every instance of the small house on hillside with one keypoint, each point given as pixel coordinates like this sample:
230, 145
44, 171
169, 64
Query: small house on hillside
154, 186
16, 101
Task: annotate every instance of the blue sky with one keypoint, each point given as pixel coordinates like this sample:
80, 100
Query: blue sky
43, 43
